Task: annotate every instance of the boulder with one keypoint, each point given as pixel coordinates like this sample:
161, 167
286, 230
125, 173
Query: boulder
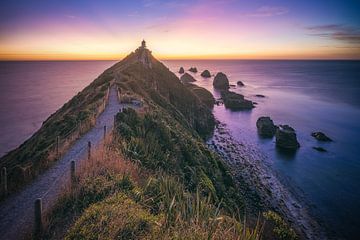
181, 70
193, 69
240, 83
235, 101
320, 136
206, 74
221, 81
186, 78
286, 138
265, 127
259, 96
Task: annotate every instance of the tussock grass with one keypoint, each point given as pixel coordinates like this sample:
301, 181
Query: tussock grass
115, 198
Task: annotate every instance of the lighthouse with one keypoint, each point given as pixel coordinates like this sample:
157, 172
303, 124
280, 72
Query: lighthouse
143, 44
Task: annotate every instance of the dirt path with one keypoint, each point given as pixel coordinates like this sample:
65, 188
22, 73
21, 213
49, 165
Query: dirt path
17, 211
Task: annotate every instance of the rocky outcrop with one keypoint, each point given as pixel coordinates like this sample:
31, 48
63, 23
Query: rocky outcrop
204, 95
221, 81
320, 136
259, 95
181, 70
186, 78
206, 74
193, 69
240, 83
235, 101
286, 138
265, 127
320, 149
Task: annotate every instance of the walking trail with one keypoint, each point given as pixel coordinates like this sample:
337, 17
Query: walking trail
17, 211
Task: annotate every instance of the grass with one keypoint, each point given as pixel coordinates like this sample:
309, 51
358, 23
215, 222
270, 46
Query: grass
117, 199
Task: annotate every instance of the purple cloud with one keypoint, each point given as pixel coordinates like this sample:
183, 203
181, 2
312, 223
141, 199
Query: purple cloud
268, 11
337, 32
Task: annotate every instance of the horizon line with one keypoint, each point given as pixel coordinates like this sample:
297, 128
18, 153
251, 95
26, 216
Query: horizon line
187, 59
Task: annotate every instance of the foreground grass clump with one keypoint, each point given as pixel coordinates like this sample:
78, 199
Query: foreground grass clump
280, 228
117, 217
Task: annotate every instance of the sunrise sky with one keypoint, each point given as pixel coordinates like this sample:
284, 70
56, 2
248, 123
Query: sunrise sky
218, 29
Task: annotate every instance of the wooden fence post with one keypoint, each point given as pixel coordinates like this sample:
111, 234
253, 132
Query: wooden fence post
104, 132
89, 150
4, 188
38, 226
114, 121
72, 173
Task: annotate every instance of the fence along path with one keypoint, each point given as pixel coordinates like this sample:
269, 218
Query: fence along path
17, 211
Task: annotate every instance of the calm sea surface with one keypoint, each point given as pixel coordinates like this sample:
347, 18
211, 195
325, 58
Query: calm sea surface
307, 95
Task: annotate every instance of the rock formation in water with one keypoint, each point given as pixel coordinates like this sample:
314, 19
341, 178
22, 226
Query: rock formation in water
320, 149
181, 70
320, 136
221, 81
265, 127
286, 138
206, 74
193, 69
186, 78
240, 83
235, 101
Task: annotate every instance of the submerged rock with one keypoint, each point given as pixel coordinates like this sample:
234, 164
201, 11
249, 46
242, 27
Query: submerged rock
265, 127
240, 83
193, 69
235, 101
181, 70
320, 136
320, 149
286, 138
259, 96
186, 78
221, 81
206, 74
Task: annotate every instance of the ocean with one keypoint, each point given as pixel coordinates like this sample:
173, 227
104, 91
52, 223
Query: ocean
307, 95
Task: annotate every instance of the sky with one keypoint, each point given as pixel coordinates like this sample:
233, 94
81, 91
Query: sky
180, 29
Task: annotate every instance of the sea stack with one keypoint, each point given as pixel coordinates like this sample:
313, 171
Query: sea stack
286, 138
181, 70
221, 81
206, 74
320, 136
193, 69
235, 101
265, 127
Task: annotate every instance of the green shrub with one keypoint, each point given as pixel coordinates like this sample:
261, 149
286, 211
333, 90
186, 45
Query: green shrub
281, 228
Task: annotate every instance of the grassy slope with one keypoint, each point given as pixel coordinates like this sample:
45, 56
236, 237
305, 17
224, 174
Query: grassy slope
33, 154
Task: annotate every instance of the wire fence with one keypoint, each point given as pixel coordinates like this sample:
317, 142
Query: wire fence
46, 202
